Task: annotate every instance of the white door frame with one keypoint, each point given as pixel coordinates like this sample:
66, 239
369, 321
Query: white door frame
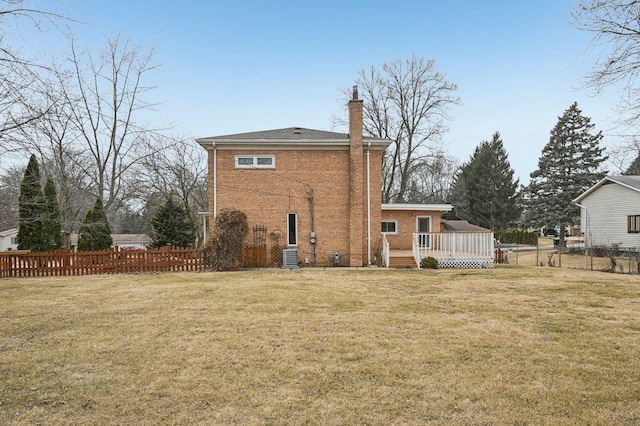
424, 241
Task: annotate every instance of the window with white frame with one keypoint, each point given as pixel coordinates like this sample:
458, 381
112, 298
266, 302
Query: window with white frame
261, 161
390, 227
14, 240
633, 224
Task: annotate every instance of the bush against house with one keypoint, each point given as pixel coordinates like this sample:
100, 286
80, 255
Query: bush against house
223, 251
95, 232
171, 225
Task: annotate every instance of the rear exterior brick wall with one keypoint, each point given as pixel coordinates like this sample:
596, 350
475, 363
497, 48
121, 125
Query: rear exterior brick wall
407, 226
267, 195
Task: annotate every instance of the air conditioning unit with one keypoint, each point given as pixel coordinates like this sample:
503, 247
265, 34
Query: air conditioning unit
290, 258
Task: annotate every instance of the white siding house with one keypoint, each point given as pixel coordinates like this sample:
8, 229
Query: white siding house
9, 239
610, 212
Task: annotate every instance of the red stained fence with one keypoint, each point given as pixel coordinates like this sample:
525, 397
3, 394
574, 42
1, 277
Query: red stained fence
63, 262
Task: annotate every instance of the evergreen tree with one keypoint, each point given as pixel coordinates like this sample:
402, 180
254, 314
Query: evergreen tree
52, 224
95, 233
458, 198
570, 164
31, 210
634, 167
171, 225
486, 193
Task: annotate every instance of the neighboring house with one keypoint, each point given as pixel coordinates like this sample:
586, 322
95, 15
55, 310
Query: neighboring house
9, 239
123, 241
610, 212
131, 241
317, 193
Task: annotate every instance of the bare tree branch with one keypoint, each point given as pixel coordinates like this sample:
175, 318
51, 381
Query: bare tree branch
408, 102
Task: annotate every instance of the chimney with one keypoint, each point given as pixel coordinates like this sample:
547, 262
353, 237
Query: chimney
356, 182
355, 120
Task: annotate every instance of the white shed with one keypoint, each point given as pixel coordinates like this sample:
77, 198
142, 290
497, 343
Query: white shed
610, 212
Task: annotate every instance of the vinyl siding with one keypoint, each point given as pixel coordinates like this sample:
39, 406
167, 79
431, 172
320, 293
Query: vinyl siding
604, 218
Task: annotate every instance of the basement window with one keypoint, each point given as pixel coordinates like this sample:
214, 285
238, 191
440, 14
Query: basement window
390, 227
633, 224
255, 162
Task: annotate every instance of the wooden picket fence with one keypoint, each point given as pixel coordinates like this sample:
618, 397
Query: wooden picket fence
63, 262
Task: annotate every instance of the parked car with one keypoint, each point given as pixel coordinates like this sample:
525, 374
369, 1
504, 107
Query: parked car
553, 231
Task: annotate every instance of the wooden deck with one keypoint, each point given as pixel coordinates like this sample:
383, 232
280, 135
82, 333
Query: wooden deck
446, 259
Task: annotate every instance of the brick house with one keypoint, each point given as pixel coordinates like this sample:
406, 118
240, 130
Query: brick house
315, 191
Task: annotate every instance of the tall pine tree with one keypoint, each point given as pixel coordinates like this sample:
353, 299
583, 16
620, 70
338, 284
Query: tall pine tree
484, 191
570, 164
52, 224
95, 232
171, 225
32, 210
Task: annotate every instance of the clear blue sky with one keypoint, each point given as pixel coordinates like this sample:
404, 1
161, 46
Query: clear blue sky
238, 66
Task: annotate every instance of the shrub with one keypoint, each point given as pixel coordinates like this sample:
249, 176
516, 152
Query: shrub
429, 263
171, 226
517, 237
223, 251
95, 232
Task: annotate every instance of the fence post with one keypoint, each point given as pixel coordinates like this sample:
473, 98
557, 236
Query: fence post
166, 250
117, 253
63, 260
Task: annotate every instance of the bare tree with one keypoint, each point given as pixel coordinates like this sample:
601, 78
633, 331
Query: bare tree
9, 194
408, 102
54, 139
615, 29
433, 180
105, 98
20, 74
173, 167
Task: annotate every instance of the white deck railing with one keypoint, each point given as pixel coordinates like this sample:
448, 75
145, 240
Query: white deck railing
385, 251
455, 249
416, 251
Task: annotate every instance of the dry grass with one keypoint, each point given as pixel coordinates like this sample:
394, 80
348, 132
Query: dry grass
514, 345
572, 259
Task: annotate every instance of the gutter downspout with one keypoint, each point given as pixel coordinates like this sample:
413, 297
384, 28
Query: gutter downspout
215, 182
369, 203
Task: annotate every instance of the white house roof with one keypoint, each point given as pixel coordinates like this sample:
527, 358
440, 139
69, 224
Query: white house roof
130, 238
8, 232
418, 207
631, 182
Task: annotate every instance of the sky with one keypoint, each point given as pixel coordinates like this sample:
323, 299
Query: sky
238, 66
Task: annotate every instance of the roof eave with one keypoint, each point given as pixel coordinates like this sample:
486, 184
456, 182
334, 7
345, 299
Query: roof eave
417, 207
599, 184
287, 145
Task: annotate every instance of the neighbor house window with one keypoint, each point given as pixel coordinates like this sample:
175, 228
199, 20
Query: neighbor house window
255, 162
14, 240
389, 226
633, 224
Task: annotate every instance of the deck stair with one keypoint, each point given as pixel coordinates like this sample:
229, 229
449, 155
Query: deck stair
401, 261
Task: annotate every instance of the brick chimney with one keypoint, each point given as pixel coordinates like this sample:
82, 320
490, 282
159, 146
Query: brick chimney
357, 236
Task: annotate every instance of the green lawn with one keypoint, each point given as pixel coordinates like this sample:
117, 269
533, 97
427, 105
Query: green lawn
513, 345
